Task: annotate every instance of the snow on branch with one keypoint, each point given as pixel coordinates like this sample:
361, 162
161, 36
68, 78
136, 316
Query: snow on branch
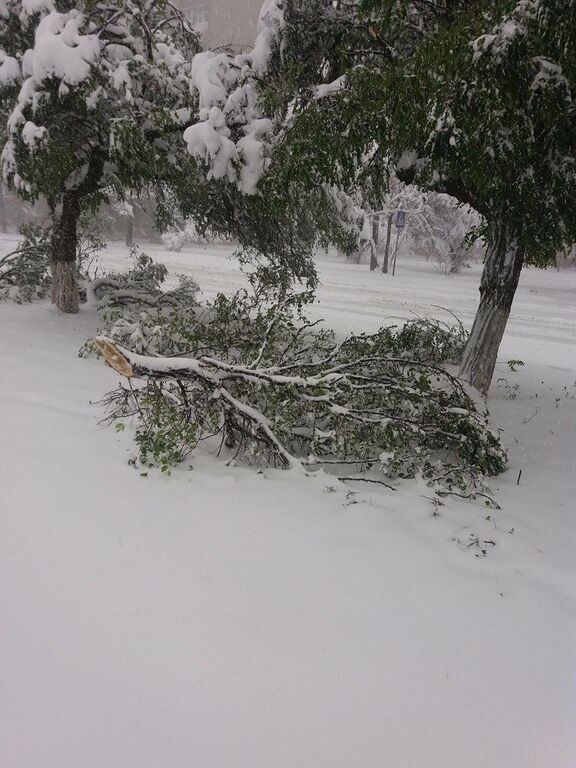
509, 30
109, 74
232, 133
62, 50
287, 394
10, 72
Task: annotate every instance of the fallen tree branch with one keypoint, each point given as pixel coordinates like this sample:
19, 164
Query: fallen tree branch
419, 415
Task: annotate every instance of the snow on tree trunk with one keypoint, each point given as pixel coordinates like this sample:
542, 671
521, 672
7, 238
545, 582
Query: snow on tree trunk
64, 246
498, 285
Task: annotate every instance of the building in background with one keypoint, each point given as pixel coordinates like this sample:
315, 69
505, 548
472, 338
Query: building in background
224, 23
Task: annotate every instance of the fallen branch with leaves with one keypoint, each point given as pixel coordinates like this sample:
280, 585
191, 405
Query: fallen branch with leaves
288, 395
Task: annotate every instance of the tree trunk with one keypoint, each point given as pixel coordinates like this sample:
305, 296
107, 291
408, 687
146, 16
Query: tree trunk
130, 231
498, 285
64, 247
387, 248
374, 242
3, 221
373, 257
376, 228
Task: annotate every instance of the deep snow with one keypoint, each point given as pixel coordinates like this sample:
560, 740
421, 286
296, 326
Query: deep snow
226, 619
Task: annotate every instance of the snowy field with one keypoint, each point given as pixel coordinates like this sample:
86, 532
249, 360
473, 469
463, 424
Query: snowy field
226, 619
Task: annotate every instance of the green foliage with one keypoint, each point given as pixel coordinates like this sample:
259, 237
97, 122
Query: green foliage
145, 273
118, 131
138, 311
277, 229
488, 115
166, 434
278, 390
113, 128
88, 247
172, 323
25, 272
474, 98
424, 339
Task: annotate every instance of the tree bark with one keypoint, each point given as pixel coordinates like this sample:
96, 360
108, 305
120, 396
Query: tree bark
64, 248
130, 231
3, 218
374, 243
387, 247
498, 285
373, 257
376, 228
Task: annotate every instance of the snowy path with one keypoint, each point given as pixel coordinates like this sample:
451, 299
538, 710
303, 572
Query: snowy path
224, 619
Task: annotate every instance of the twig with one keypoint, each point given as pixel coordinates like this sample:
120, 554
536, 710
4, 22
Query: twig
536, 412
367, 480
472, 495
137, 404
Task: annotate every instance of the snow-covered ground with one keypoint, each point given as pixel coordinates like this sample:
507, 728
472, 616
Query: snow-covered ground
221, 618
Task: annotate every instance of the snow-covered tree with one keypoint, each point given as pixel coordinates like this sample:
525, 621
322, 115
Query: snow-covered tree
186, 232
484, 112
472, 98
441, 229
98, 95
243, 115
